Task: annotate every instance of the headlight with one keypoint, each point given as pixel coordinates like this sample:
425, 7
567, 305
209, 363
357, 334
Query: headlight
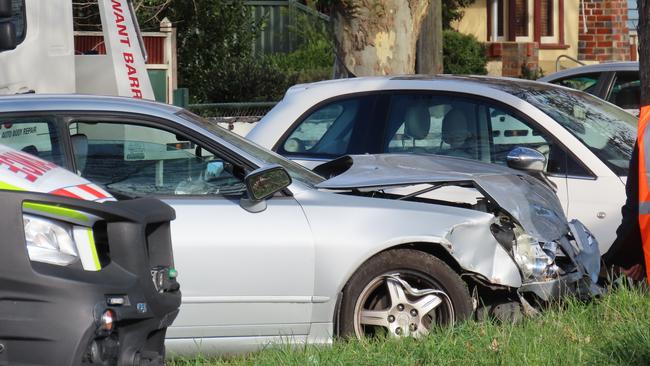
50, 241
535, 262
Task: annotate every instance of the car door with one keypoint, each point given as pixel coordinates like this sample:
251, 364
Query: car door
341, 126
241, 273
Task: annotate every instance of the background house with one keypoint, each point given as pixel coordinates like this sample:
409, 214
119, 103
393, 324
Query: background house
526, 37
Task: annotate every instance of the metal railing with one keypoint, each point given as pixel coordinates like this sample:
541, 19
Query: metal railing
560, 57
237, 117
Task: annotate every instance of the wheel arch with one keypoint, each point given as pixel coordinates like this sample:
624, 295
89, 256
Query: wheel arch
434, 247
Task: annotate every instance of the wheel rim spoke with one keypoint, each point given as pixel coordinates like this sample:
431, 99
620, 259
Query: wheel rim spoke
374, 317
395, 291
427, 303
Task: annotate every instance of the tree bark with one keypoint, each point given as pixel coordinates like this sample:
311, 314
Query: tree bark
644, 50
377, 37
429, 47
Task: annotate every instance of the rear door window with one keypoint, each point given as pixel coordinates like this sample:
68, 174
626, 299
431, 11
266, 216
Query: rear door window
34, 135
584, 82
626, 91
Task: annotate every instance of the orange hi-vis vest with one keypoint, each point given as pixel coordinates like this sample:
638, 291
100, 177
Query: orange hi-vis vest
643, 144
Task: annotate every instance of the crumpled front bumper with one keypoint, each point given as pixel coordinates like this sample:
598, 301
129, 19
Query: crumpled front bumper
50, 315
581, 248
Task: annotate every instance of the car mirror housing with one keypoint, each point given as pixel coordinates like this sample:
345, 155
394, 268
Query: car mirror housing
526, 159
262, 184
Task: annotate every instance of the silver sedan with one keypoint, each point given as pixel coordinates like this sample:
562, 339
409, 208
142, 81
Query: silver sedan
268, 251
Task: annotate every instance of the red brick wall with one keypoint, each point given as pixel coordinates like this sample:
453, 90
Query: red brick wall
515, 57
607, 36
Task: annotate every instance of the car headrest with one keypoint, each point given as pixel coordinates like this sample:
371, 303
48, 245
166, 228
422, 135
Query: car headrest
455, 127
417, 121
80, 149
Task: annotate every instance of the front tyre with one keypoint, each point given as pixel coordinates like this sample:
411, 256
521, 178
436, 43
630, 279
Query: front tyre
400, 293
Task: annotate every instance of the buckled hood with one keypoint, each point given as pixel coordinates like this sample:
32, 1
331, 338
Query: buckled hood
533, 204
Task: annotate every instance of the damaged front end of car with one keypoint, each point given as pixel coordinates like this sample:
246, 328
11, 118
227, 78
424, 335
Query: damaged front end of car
522, 247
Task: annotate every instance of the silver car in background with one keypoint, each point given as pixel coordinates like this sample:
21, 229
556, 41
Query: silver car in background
615, 82
269, 251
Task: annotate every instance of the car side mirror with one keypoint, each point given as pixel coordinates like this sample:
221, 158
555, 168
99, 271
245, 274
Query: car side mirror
7, 36
526, 159
262, 184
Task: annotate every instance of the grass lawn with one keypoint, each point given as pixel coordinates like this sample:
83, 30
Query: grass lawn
614, 330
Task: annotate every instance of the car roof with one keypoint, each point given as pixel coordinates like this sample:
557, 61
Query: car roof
587, 69
83, 103
475, 84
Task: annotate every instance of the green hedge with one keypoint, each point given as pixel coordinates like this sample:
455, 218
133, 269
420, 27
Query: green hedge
463, 54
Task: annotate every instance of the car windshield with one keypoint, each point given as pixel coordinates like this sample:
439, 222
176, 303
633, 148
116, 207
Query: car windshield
295, 170
608, 131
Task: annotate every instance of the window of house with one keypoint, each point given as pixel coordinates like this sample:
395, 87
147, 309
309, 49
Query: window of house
134, 161
527, 20
546, 18
501, 9
521, 18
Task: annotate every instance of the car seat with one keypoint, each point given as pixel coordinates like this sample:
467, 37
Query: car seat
80, 150
417, 123
457, 132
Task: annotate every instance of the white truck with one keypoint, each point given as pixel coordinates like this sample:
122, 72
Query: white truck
37, 53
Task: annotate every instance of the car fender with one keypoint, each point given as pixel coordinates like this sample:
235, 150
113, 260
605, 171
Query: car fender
342, 250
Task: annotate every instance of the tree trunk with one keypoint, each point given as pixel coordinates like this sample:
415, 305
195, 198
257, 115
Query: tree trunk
377, 37
429, 46
644, 50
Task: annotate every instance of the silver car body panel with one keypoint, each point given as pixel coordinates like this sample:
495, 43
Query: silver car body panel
250, 279
588, 69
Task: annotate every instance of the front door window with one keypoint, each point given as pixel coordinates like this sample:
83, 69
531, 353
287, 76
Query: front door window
134, 160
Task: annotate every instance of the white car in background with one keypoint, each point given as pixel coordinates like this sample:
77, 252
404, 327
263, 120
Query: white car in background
587, 142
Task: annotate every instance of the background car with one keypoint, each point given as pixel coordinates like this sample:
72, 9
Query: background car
615, 82
587, 142
269, 251
81, 282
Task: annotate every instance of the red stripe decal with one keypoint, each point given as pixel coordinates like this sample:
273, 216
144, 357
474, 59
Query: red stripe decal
92, 191
63, 192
